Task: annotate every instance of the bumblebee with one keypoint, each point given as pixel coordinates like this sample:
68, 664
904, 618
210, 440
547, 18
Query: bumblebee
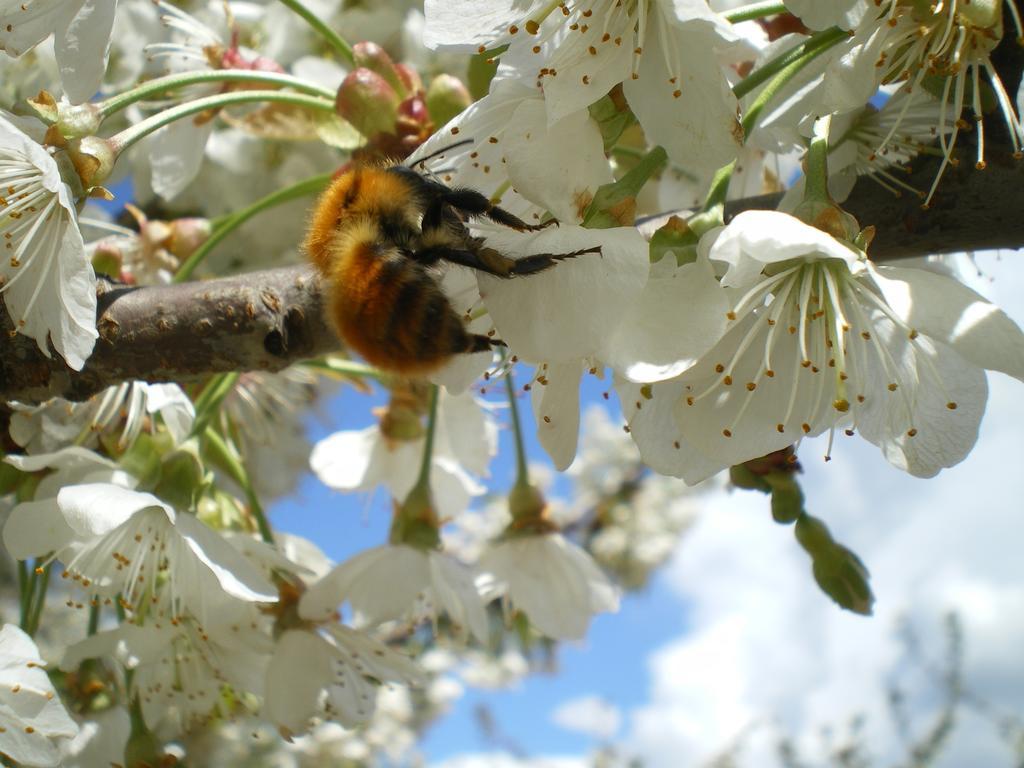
377, 236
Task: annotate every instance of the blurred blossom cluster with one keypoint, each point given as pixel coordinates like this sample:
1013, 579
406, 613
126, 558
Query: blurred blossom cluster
203, 634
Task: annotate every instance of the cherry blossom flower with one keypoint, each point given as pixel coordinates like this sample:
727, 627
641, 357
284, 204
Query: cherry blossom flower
59, 422
346, 664
81, 36
665, 54
180, 668
552, 580
33, 721
116, 542
361, 460
420, 583
46, 280
822, 340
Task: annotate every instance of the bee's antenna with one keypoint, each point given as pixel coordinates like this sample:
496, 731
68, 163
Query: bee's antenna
422, 161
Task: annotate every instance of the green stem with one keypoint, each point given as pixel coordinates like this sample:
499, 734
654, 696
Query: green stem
335, 40
816, 170
781, 70
39, 601
94, 619
210, 398
754, 11
227, 459
719, 186
816, 44
140, 130
160, 85
237, 219
522, 470
24, 591
423, 480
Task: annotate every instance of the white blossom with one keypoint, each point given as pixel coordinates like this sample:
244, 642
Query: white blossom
180, 668
399, 582
81, 35
116, 542
33, 721
820, 340
554, 582
665, 54
345, 663
465, 441
58, 422
46, 280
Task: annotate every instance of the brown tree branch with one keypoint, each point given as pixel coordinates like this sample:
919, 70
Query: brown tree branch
259, 321
269, 320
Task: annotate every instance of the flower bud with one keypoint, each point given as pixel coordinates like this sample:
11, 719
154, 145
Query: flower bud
813, 536
107, 258
368, 102
410, 79
374, 58
93, 158
843, 577
446, 98
187, 235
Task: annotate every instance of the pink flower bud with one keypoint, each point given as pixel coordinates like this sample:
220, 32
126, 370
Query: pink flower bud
368, 102
446, 98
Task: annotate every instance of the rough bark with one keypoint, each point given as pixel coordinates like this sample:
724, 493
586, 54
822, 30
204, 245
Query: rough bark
259, 321
269, 320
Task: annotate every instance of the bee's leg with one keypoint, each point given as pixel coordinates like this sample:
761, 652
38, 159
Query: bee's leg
477, 204
493, 263
481, 343
538, 262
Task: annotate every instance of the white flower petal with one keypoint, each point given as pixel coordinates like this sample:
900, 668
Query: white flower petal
81, 43
558, 167
94, 509
452, 585
359, 580
234, 574
678, 317
949, 311
175, 156
556, 409
550, 316
301, 667
648, 410
465, 25
681, 96
35, 528
342, 460
756, 238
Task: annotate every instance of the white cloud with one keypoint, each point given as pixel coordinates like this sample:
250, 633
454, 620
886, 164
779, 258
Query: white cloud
589, 715
765, 648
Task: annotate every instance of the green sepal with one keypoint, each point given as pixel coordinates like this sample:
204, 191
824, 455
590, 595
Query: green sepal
613, 116
183, 478
481, 70
614, 205
337, 132
143, 461
680, 237
742, 477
